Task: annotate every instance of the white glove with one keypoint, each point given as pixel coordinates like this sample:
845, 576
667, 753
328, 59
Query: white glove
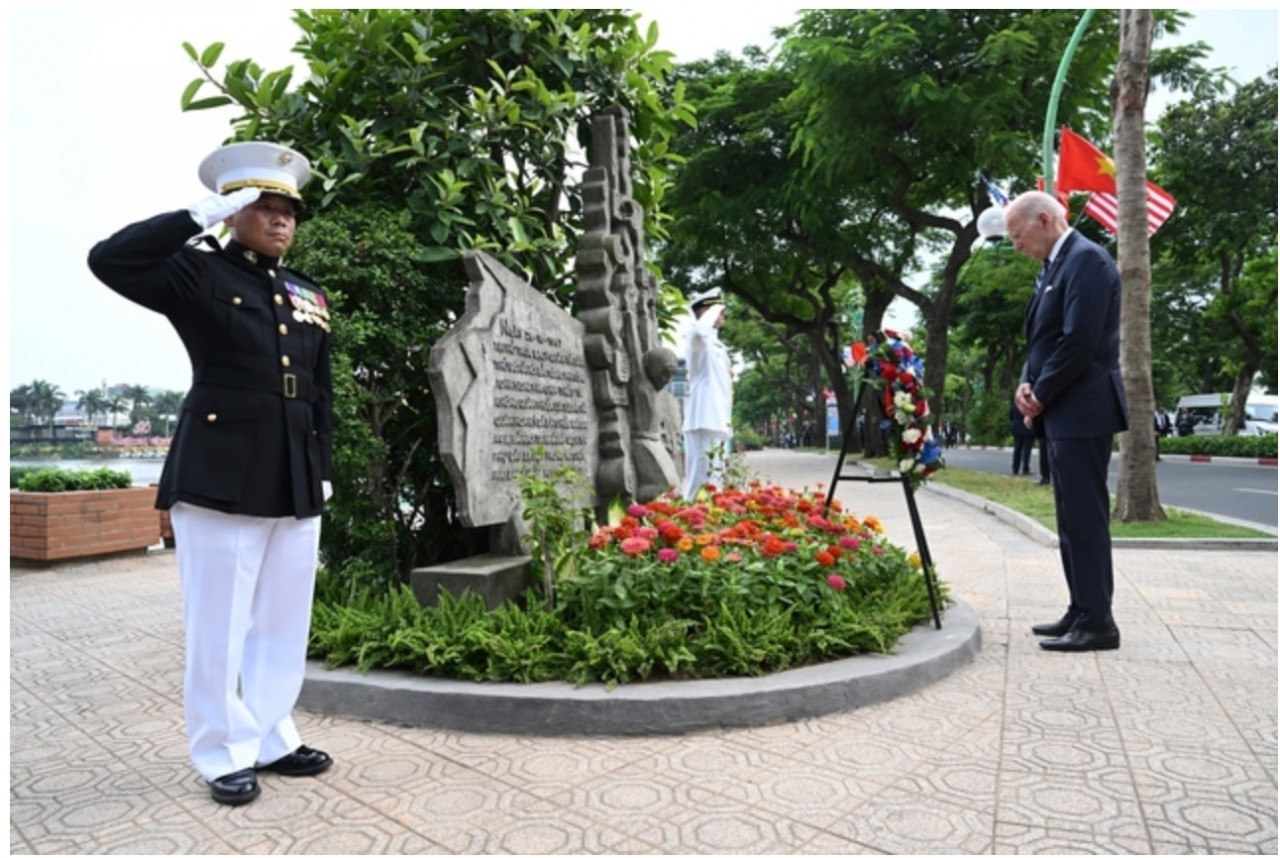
326, 489
218, 207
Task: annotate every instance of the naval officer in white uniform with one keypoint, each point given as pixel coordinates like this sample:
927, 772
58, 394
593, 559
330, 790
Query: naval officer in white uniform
708, 411
248, 472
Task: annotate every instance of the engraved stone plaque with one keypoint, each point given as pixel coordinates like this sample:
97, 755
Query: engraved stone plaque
510, 376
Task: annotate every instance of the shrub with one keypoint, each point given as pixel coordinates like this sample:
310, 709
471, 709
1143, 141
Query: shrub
1246, 446
61, 480
740, 583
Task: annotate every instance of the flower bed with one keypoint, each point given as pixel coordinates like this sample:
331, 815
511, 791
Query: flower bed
741, 583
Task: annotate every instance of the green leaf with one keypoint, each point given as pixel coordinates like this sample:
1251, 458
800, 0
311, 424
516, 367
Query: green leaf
190, 91
206, 103
211, 54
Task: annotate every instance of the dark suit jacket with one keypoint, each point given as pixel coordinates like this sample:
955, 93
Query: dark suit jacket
1073, 344
254, 434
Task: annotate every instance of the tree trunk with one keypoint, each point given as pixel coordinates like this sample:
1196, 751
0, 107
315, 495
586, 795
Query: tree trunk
1137, 495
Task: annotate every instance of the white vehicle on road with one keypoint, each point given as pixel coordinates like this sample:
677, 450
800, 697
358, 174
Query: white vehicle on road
1207, 410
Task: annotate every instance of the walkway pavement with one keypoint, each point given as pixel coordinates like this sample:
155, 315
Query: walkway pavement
1167, 745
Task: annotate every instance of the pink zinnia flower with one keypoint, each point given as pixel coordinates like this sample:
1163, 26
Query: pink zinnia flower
850, 542
637, 510
836, 582
634, 546
668, 555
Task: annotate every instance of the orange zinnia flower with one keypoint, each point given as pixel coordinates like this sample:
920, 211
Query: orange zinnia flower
710, 554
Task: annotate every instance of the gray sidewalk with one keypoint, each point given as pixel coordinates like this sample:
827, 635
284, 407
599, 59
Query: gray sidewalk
1167, 745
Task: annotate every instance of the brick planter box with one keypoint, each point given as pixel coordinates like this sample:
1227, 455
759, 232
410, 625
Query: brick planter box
49, 526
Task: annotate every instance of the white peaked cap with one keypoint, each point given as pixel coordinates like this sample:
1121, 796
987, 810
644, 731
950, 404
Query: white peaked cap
710, 296
274, 168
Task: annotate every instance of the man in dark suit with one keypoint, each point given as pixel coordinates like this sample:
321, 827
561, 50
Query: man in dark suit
1072, 390
248, 471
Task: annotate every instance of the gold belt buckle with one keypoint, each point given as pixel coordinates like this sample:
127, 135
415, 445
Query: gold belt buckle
290, 386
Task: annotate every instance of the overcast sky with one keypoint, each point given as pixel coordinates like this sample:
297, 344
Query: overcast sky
95, 141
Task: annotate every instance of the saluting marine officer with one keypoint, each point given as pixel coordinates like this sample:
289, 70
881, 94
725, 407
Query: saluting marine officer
248, 470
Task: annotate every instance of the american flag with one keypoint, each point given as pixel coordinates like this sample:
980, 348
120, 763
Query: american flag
998, 196
1105, 209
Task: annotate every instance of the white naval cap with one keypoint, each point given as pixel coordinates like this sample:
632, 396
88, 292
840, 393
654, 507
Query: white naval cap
702, 299
274, 168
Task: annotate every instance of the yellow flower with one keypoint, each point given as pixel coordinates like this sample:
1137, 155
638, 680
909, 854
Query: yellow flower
914, 560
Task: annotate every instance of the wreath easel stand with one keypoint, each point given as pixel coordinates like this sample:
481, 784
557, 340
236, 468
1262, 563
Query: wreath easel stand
917, 525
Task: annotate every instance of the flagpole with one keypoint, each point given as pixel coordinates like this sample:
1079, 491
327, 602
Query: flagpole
1051, 116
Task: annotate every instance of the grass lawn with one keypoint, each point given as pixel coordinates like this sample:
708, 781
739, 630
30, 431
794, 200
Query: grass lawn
1035, 501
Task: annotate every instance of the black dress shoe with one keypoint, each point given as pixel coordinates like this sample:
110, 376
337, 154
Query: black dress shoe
301, 763
1056, 629
1083, 640
236, 788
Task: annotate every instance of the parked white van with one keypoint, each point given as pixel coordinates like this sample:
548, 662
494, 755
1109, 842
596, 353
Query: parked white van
1206, 410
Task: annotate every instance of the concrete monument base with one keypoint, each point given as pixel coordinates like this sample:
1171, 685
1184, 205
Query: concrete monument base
497, 579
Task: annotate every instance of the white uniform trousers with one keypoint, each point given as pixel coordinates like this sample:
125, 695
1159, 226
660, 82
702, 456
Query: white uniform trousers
698, 467
247, 585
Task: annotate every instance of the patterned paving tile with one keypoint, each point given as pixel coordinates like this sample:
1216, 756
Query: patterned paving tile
1167, 745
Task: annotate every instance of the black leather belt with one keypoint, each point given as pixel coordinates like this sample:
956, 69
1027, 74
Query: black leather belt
289, 385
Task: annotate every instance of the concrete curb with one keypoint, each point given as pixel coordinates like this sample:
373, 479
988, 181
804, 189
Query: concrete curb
1037, 531
922, 656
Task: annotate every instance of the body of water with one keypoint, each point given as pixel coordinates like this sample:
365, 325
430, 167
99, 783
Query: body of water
144, 471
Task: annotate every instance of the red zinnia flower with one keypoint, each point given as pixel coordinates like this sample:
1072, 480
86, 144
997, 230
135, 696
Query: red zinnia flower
825, 559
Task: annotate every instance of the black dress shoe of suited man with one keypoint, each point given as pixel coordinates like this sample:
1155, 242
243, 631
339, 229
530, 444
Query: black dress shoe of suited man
300, 764
1057, 628
236, 788
1083, 640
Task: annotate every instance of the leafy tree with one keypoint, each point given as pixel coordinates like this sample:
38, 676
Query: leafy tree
433, 132
139, 398
40, 400
92, 402
20, 401
902, 106
116, 405
1222, 154
745, 219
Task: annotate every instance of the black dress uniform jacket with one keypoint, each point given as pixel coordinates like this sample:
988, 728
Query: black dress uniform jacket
254, 434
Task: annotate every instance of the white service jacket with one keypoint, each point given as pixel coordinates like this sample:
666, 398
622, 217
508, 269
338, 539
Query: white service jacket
709, 407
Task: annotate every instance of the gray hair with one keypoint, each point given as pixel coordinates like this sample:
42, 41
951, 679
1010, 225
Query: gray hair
1034, 203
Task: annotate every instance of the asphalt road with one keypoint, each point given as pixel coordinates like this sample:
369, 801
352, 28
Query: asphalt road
1241, 490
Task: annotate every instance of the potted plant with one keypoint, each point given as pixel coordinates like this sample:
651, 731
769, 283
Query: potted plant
57, 514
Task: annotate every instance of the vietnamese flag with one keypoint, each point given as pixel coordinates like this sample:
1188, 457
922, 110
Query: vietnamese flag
1082, 167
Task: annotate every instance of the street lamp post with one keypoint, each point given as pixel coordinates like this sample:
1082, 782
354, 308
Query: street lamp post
1051, 115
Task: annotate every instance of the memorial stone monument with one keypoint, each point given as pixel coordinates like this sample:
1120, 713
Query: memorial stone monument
519, 383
